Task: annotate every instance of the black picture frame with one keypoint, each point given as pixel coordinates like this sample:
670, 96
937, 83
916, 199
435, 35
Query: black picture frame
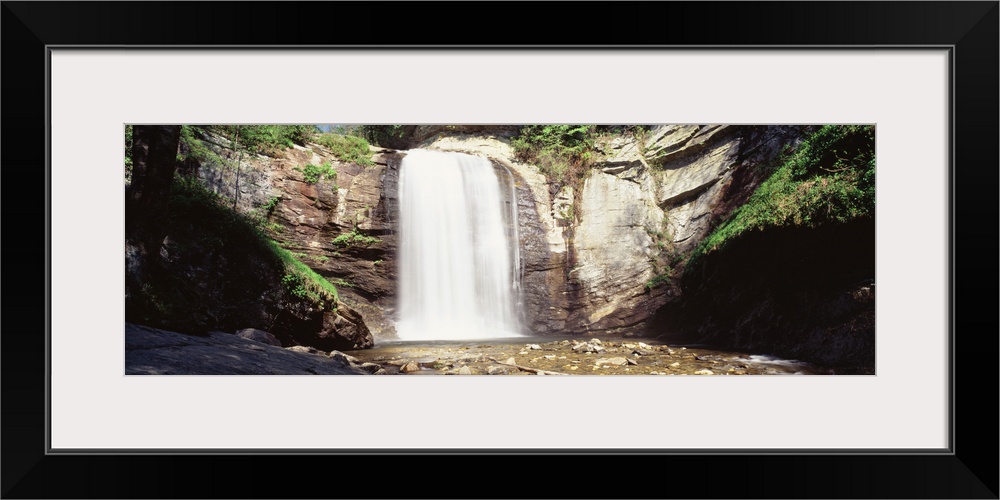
969, 470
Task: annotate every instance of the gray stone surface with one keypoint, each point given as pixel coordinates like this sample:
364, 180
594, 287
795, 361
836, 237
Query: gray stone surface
149, 351
258, 336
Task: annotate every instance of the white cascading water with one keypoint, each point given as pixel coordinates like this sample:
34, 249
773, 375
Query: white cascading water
456, 278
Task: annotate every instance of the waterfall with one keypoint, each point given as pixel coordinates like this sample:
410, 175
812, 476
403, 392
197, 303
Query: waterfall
456, 274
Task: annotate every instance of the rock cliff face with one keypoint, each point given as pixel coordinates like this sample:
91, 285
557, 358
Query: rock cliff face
590, 256
306, 219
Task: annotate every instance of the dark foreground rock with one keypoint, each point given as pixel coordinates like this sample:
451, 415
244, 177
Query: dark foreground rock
149, 351
258, 336
802, 293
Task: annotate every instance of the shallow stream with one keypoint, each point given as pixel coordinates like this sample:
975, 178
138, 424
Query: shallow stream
572, 356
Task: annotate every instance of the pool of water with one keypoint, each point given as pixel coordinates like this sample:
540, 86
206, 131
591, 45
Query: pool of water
572, 356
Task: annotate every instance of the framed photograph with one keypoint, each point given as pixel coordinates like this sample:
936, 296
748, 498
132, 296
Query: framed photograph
920, 79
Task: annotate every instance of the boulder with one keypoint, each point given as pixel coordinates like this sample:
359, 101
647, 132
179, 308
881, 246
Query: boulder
410, 367
343, 329
258, 336
151, 351
501, 370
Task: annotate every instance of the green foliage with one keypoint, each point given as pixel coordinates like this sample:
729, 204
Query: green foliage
341, 282
267, 139
830, 178
347, 148
355, 238
377, 262
556, 149
212, 224
192, 146
260, 215
272, 203
128, 154
665, 255
659, 280
295, 286
313, 174
569, 211
382, 135
301, 281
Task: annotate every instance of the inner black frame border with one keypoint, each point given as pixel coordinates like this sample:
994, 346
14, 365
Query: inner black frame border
968, 30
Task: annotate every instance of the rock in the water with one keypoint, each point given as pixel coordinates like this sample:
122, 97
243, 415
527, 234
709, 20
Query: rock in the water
618, 361
675, 364
510, 361
258, 336
632, 361
465, 370
643, 352
373, 368
704, 372
410, 367
534, 347
500, 370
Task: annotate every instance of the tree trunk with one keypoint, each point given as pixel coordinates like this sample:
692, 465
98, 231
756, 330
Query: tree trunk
154, 159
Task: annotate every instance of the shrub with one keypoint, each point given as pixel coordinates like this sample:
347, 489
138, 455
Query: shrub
556, 149
384, 135
354, 238
193, 147
658, 280
267, 139
313, 174
347, 148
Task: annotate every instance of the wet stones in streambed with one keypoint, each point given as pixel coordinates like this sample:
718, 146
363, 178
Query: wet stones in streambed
611, 361
410, 367
442, 364
594, 346
373, 368
501, 370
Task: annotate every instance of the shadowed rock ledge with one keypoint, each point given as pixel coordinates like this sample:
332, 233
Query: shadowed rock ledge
149, 351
